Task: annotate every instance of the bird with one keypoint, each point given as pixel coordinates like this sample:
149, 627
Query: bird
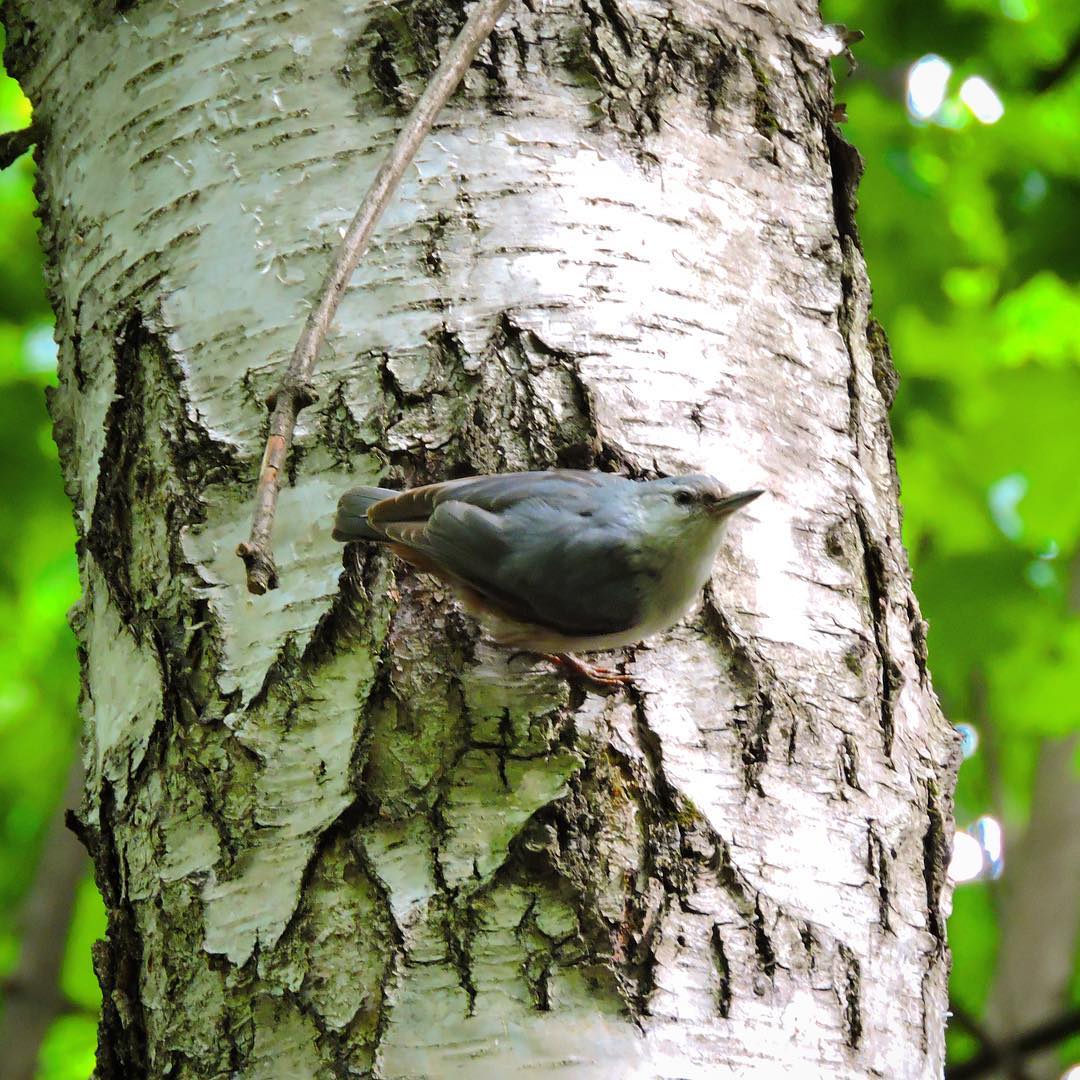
560, 561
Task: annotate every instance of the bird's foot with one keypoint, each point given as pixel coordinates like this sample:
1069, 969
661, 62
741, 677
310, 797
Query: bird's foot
602, 676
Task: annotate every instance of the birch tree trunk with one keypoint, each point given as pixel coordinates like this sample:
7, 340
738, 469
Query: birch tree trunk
339, 834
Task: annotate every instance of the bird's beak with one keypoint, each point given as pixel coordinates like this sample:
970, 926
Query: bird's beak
730, 503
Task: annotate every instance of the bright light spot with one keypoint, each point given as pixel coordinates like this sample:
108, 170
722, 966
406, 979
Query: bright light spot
953, 114
969, 739
1033, 189
1071, 1074
966, 863
39, 348
1004, 498
988, 833
1041, 574
927, 81
929, 168
1021, 11
970, 286
981, 98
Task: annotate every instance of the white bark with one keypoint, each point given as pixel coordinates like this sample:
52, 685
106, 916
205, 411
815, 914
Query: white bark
338, 834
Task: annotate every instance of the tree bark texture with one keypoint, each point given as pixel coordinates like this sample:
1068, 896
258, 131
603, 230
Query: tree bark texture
339, 834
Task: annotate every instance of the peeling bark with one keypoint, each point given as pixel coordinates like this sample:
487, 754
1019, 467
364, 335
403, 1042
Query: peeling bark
337, 832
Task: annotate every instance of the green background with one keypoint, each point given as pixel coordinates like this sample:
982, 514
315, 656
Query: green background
971, 235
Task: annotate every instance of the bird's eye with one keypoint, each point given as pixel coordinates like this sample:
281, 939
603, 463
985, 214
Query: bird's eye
684, 497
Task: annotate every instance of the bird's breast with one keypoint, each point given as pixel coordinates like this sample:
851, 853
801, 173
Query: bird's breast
677, 584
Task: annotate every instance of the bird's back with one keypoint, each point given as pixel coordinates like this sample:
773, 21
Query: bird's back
552, 549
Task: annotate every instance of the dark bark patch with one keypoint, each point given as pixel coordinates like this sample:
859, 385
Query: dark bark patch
935, 865
763, 946
849, 762
877, 591
835, 547
637, 935
459, 930
436, 229
122, 1050
340, 896
540, 951
400, 43
851, 996
845, 318
765, 119
578, 841
886, 377
125, 475
758, 682
731, 881
539, 983
401, 47
918, 628
526, 406
877, 866
359, 606
492, 59
156, 460
23, 47
723, 972
753, 732
341, 434
846, 165
636, 66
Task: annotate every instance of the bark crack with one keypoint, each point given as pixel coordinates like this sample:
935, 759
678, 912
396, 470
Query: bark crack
877, 865
763, 947
935, 866
877, 590
763, 690
851, 996
122, 1050
723, 971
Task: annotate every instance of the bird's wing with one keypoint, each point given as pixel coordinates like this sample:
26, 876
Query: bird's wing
494, 493
536, 548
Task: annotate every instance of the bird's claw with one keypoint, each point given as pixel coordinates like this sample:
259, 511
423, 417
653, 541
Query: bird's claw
602, 676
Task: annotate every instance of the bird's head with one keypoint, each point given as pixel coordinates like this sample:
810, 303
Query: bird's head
693, 505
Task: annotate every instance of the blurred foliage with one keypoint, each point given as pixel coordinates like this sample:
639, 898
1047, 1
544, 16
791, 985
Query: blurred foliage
970, 232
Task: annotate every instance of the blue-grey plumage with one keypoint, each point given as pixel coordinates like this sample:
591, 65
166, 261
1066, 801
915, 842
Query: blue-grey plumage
556, 561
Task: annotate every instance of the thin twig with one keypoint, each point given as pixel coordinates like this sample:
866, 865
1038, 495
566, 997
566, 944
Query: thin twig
1015, 1047
989, 1047
13, 144
296, 389
1048, 78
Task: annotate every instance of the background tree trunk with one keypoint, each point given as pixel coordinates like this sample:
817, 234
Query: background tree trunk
336, 832
33, 998
1040, 911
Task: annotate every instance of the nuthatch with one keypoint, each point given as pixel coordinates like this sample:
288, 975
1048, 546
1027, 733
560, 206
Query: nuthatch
553, 562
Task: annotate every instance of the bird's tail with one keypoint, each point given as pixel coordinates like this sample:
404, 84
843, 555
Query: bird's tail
351, 522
